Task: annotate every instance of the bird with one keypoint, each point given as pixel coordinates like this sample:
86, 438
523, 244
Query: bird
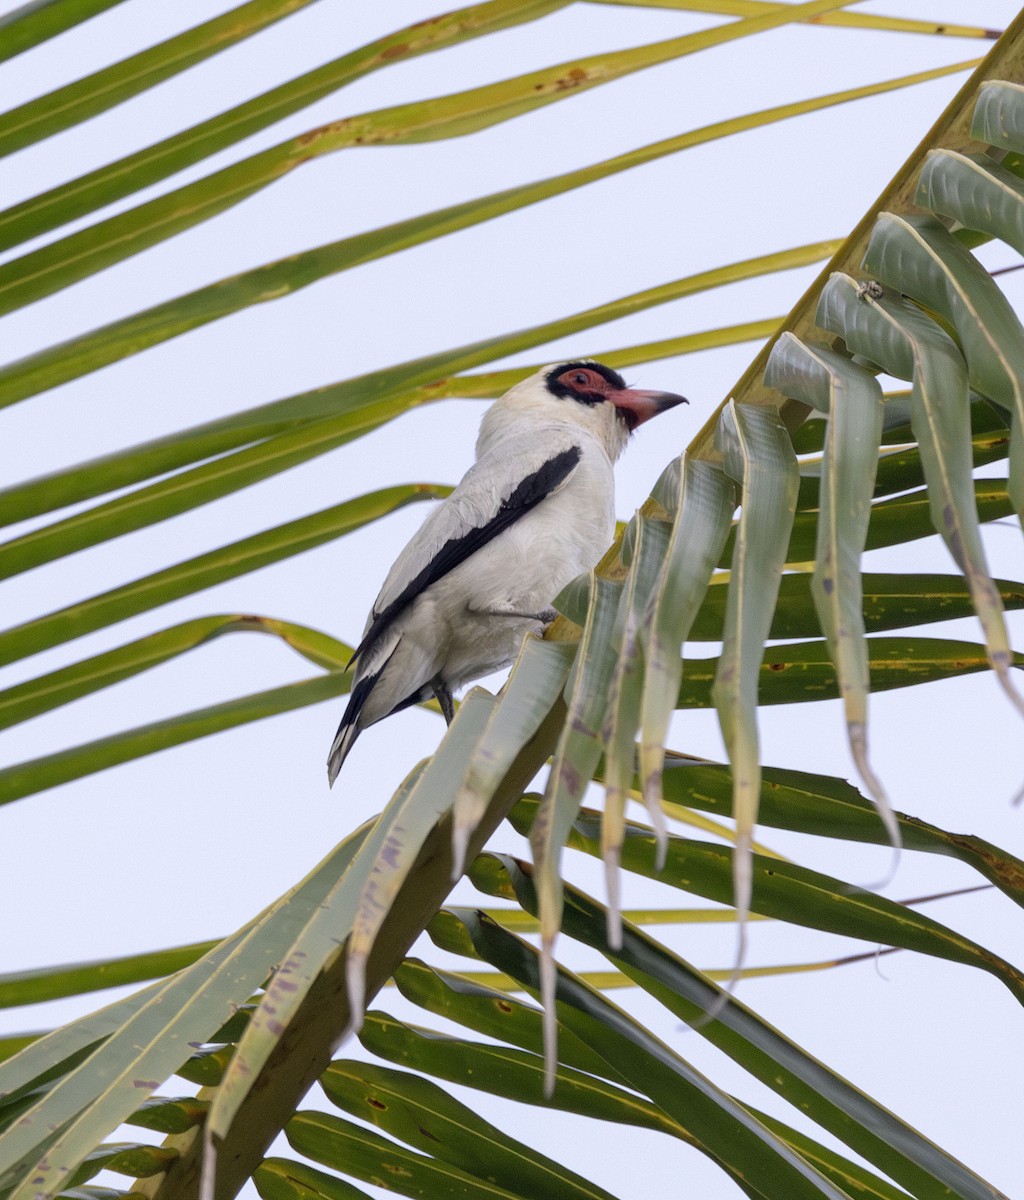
536, 509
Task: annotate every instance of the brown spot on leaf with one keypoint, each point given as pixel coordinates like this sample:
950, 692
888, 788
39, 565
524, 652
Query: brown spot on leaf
146, 1083
314, 135
1009, 874
571, 80
373, 1102
395, 51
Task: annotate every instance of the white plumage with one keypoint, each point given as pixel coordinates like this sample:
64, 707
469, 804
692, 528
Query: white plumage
535, 510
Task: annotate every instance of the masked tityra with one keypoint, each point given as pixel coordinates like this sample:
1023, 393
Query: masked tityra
535, 510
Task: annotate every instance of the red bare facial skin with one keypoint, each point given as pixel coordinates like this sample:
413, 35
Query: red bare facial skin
636, 406
592, 385
586, 381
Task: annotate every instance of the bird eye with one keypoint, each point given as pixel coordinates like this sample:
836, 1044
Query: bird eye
579, 378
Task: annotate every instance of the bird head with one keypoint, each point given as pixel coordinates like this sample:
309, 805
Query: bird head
581, 393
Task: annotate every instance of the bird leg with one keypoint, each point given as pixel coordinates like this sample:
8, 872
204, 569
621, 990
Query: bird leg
545, 616
444, 698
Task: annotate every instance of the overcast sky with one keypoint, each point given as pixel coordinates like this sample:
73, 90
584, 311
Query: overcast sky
188, 844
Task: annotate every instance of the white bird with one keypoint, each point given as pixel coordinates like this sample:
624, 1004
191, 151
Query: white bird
535, 510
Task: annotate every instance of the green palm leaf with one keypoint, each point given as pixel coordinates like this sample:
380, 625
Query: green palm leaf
253, 1019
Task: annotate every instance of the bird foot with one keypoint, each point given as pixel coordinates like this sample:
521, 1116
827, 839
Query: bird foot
545, 616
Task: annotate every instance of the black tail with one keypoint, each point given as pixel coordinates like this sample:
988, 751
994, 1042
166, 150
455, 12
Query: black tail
349, 729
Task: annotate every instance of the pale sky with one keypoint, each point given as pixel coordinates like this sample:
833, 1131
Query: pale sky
188, 844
